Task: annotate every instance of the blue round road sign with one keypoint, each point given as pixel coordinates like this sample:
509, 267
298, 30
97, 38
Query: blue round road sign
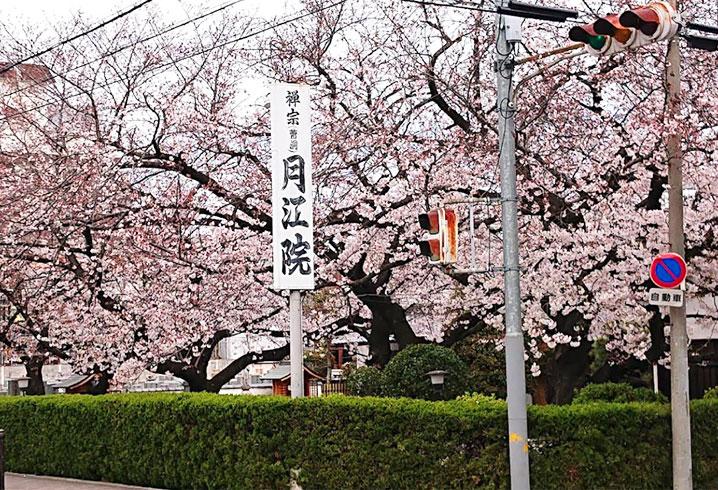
668, 270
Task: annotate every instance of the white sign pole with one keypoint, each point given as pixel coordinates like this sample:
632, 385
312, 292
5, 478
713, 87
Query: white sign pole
292, 213
296, 344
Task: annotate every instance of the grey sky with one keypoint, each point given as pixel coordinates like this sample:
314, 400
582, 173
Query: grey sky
44, 14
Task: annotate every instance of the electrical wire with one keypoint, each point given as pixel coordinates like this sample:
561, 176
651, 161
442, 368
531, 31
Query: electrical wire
186, 57
75, 37
120, 49
476, 8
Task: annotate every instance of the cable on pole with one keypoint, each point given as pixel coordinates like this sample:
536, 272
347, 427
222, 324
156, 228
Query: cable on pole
75, 37
183, 58
122, 48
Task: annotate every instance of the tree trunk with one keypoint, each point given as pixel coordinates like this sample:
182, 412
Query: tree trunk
238, 365
196, 380
540, 391
567, 367
387, 318
196, 374
569, 370
33, 370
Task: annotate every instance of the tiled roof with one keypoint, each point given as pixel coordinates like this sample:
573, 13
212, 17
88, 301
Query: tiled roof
74, 380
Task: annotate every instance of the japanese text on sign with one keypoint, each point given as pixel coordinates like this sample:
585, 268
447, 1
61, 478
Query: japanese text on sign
292, 214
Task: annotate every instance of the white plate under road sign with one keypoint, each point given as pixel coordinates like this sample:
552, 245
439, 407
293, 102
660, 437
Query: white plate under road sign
665, 297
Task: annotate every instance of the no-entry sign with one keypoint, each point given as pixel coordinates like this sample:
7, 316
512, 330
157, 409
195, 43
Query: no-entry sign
668, 270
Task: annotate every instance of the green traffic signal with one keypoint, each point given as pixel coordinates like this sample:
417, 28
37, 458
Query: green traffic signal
587, 35
597, 42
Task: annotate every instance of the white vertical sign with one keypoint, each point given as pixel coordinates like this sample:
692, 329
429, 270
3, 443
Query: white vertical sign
292, 191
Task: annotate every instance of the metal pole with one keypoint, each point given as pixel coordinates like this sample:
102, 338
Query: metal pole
680, 408
296, 344
471, 236
514, 342
2, 460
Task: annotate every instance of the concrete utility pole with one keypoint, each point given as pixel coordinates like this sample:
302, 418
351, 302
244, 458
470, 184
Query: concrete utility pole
514, 340
296, 344
680, 408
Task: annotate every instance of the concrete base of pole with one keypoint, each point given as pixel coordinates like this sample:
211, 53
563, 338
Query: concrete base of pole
296, 344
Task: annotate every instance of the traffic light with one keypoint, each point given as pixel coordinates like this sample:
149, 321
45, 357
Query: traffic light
637, 27
442, 244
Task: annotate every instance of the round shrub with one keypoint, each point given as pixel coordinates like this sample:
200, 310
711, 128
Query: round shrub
711, 394
405, 374
365, 381
617, 393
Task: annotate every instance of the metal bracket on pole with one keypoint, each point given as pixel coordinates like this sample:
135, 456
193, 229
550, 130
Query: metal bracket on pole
470, 200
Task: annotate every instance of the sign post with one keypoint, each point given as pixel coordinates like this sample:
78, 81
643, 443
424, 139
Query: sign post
292, 211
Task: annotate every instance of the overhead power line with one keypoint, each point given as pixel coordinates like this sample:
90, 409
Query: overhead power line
497, 10
186, 57
73, 38
122, 48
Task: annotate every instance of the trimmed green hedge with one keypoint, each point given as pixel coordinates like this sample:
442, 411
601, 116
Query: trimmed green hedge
617, 393
185, 441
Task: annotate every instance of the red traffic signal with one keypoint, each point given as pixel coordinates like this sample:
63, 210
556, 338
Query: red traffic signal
430, 221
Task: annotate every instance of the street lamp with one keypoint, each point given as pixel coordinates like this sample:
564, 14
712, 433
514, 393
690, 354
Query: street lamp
393, 344
437, 380
22, 384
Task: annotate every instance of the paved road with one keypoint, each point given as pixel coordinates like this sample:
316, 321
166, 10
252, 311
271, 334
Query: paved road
14, 481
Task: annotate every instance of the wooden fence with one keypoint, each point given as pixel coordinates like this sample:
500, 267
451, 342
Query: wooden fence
324, 388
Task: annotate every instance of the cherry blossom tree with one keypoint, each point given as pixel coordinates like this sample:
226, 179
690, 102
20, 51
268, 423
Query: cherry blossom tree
157, 244
408, 112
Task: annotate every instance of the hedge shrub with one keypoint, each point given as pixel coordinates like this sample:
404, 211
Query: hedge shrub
203, 441
405, 374
617, 393
365, 381
711, 394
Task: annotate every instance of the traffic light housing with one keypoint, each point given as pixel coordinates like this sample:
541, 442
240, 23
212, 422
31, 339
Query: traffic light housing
430, 221
442, 244
645, 19
657, 21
